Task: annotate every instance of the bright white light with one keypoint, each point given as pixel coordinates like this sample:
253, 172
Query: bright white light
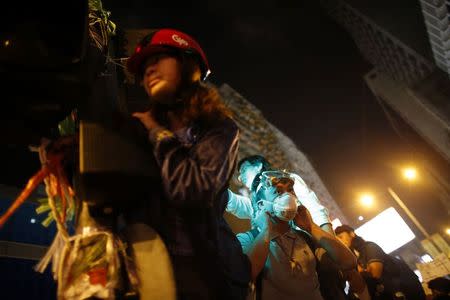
410, 173
426, 258
367, 200
33, 221
387, 229
336, 223
447, 231
361, 218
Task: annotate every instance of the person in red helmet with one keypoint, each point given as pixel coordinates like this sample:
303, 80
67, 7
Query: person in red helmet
195, 143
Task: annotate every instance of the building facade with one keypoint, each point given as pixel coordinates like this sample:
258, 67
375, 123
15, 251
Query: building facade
403, 51
437, 20
407, 43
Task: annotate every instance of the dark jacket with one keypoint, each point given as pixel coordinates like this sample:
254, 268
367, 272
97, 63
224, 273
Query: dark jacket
397, 277
195, 170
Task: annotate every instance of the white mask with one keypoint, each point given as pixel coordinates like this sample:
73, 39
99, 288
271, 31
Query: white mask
285, 206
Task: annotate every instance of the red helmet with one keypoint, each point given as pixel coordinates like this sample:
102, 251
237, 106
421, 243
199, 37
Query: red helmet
162, 38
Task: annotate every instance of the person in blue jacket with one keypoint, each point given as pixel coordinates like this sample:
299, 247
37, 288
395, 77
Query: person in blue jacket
195, 144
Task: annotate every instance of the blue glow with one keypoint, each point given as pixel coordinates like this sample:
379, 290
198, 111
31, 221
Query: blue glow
248, 173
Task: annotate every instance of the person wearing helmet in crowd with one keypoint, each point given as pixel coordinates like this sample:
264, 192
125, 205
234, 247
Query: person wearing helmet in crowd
387, 277
195, 144
285, 244
250, 169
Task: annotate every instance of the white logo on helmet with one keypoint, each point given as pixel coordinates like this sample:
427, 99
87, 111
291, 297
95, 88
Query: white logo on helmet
180, 40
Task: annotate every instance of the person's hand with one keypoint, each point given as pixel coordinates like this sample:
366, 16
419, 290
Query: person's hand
303, 219
266, 223
147, 119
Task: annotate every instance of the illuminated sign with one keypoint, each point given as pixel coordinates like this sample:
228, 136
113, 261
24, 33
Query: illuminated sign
387, 229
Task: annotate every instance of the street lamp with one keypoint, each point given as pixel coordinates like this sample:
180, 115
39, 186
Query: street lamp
366, 200
410, 174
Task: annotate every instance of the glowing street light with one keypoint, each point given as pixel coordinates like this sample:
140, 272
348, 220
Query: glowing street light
367, 200
447, 231
410, 174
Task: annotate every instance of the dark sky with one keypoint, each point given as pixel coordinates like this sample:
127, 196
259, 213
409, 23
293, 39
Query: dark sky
304, 73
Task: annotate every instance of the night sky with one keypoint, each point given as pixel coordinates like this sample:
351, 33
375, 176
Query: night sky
304, 72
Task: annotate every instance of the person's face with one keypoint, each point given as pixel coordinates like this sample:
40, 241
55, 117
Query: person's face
265, 197
248, 172
162, 77
346, 238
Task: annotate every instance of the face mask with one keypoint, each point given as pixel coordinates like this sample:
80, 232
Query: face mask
285, 206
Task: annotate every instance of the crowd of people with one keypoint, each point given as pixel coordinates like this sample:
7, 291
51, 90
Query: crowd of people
291, 250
